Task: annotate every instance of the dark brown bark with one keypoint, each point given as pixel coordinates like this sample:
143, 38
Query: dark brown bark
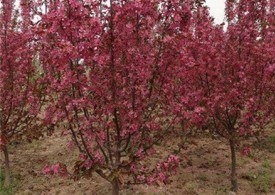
115, 186
7, 180
233, 166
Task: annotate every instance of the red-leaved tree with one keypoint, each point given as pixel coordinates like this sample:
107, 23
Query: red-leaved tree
233, 73
19, 93
110, 70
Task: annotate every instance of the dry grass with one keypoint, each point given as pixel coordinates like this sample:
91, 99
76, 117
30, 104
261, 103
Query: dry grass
205, 172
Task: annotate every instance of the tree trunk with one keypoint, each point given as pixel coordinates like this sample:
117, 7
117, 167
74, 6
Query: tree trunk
115, 186
7, 180
233, 167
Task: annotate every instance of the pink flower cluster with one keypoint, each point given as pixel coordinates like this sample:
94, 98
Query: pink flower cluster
245, 151
162, 172
57, 169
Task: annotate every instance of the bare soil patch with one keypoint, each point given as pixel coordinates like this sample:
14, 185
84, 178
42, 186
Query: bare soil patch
205, 169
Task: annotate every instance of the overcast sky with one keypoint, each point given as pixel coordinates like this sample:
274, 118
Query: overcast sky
216, 9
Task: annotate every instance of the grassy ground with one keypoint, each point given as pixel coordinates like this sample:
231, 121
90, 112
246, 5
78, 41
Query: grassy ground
205, 170
12, 188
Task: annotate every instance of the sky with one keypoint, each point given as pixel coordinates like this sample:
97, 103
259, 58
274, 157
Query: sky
216, 9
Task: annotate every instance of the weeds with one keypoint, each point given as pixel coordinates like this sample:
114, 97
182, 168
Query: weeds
262, 181
266, 144
10, 190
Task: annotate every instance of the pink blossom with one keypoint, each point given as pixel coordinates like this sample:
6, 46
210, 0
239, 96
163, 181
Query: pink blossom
162, 177
56, 168
141, 177
47, 170
245, 151
150, 180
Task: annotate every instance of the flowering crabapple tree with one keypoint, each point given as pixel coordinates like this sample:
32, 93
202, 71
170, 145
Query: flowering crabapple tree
110, 75
234, 72
20, 94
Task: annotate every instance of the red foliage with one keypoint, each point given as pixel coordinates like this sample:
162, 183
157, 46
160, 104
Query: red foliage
121, 75
20, 94
110, 73
20, 91
232, 73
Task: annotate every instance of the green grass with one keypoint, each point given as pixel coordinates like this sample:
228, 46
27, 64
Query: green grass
266, 144
262, 182
202, 177
191, 188
7, 190
34, 144
271, 139
222, 189
271, 144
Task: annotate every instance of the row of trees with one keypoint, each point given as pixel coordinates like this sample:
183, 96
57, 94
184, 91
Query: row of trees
120, 76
